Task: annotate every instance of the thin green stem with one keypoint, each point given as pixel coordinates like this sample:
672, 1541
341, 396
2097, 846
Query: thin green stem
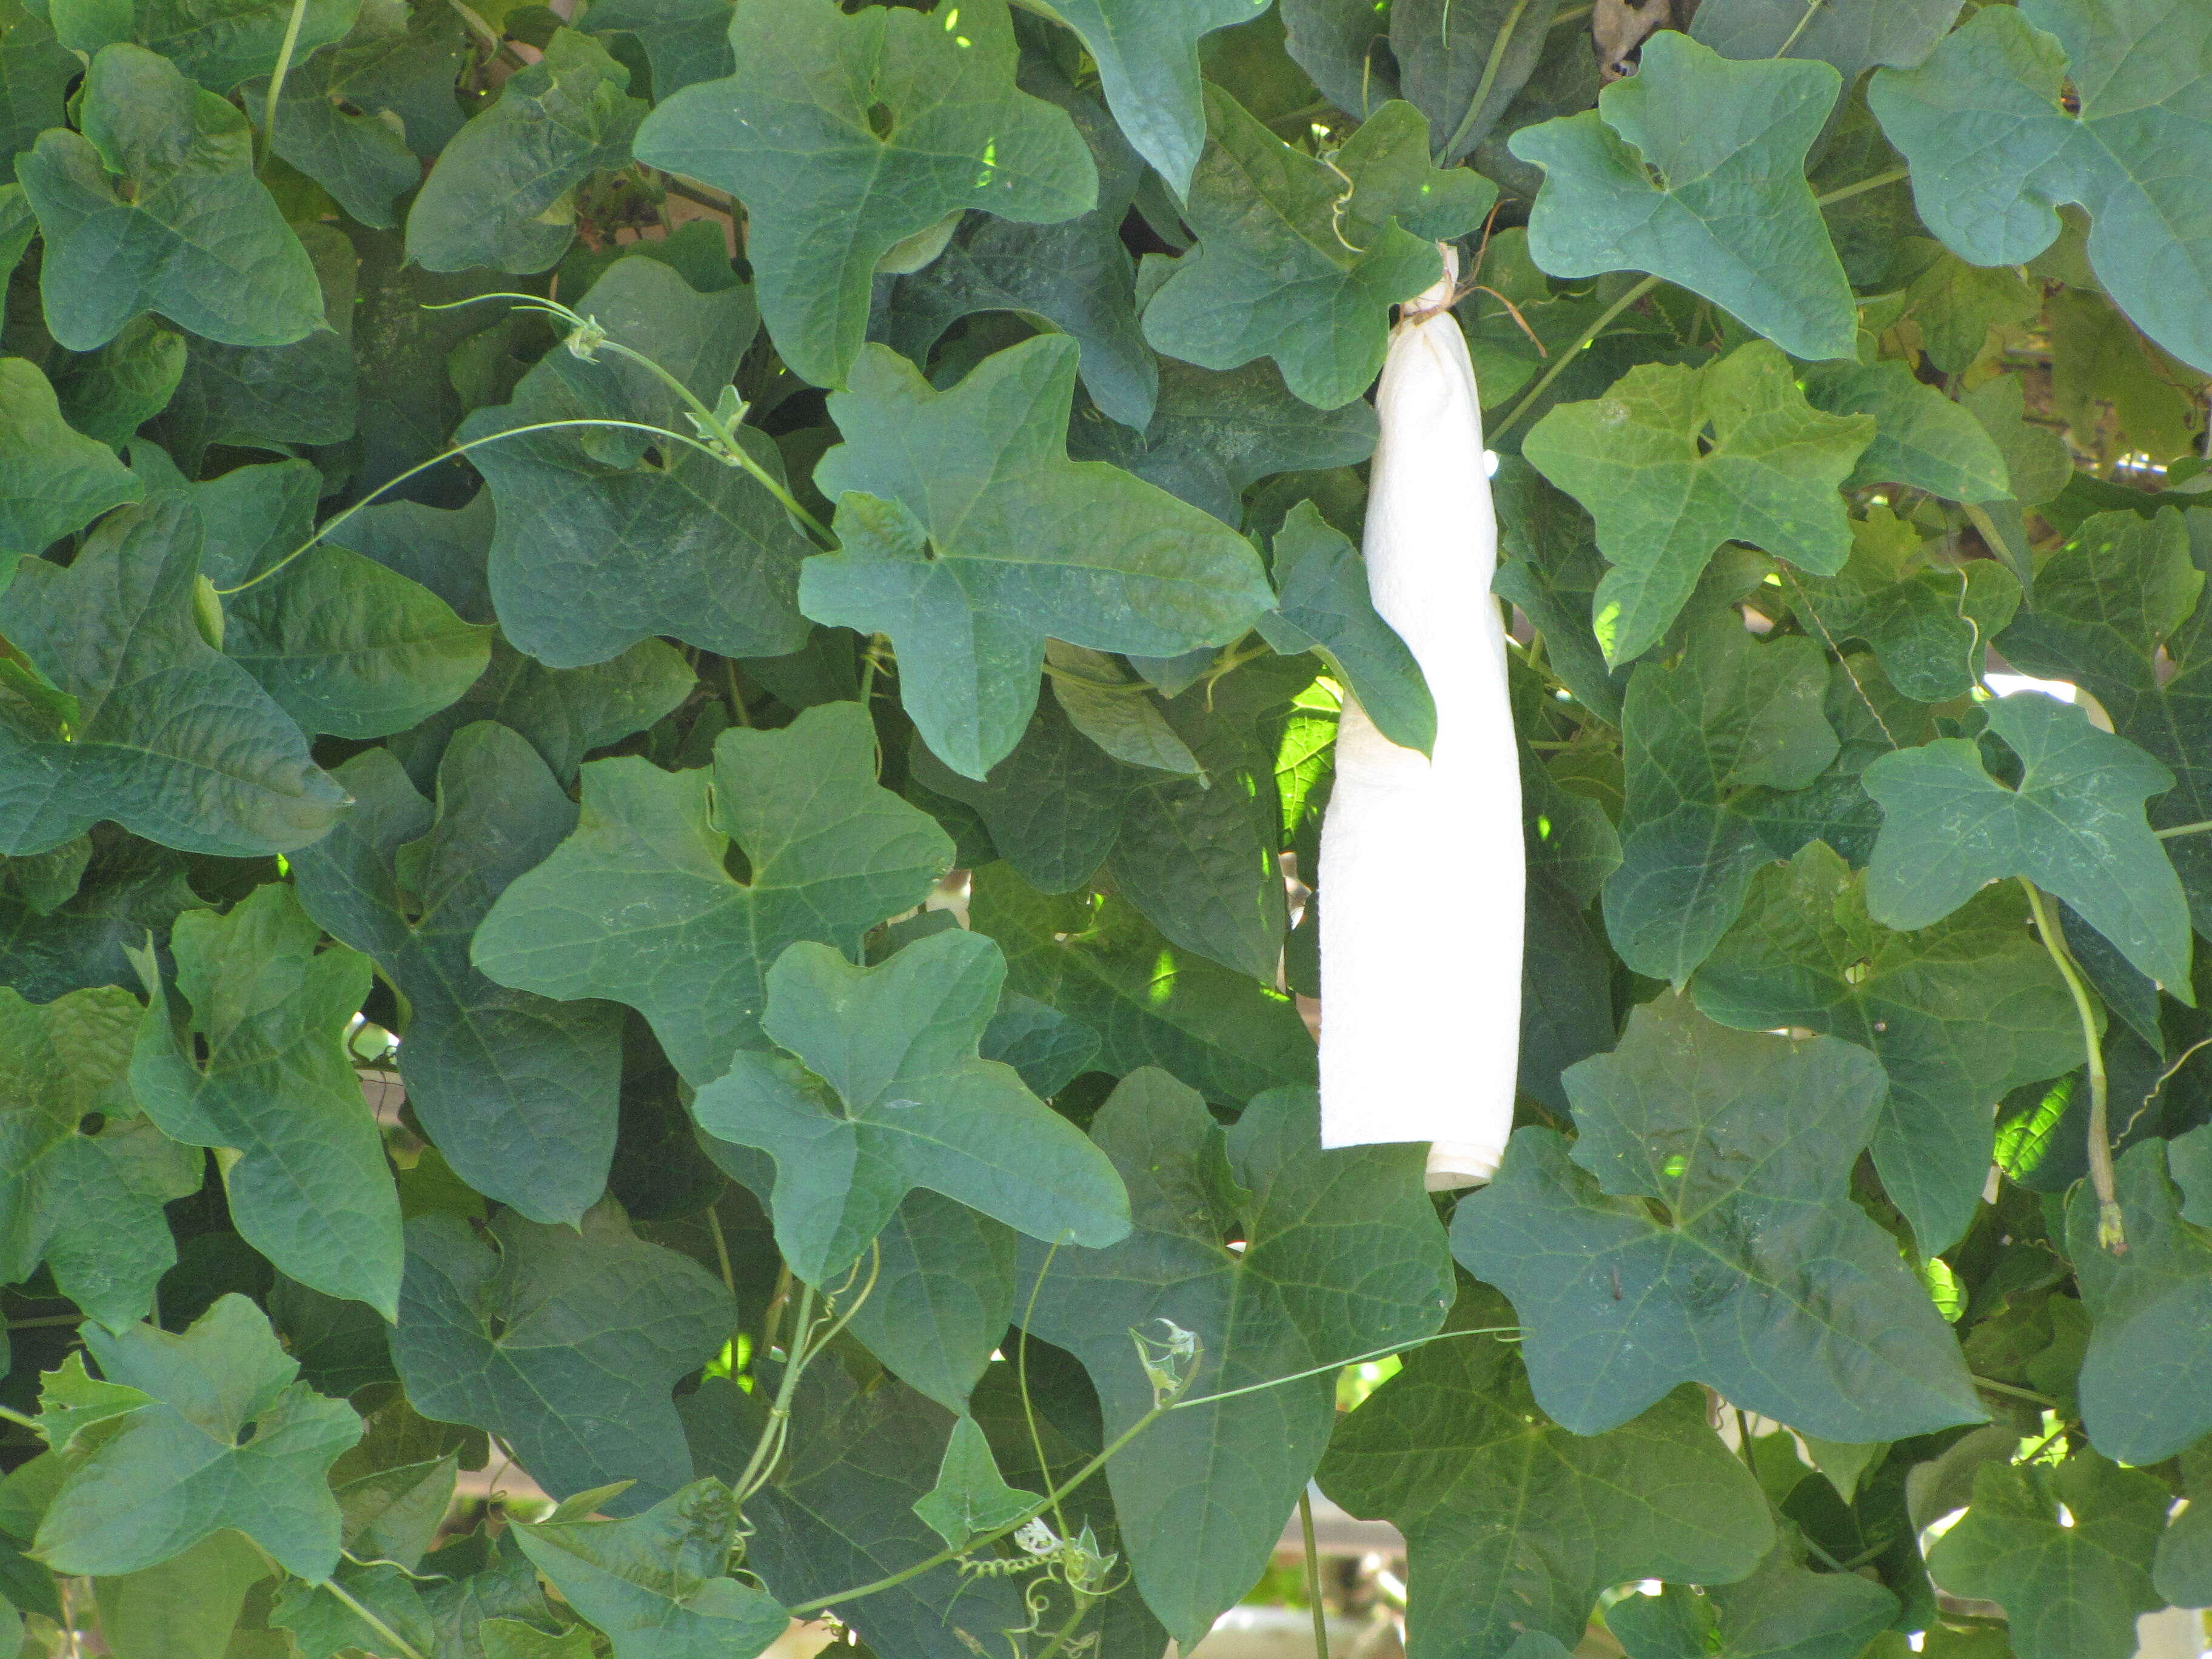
8, 1414
1561, 362
1021, 1381
1989, 1386
1339, 1364
722, 1252
44, 1321
1059, 1637
440, 460
402, 1648
1878, 182
2197, 829
779, 1414
2111, 1231
1812, 9
1986, 528
738, 712
1499, 46
284, 51
1313, 1573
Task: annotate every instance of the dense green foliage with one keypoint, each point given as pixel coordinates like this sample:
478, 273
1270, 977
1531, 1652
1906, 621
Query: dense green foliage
660, 663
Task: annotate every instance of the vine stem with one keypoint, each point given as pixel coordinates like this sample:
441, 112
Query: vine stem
1313, 1573
283, 67
780, 1412
8, 1414
404, 1649
1811, 10
2196, 828
440, 458
1499, 46
2111, 1230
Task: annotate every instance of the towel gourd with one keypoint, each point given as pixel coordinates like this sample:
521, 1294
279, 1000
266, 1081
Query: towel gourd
1422, 874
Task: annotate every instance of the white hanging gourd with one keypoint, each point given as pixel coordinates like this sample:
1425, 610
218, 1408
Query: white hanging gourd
1422, 873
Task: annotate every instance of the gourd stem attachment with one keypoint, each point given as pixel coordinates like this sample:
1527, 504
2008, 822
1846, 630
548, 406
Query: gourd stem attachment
2111, 1231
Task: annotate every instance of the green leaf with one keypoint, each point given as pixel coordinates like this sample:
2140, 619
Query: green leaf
395, 1514
2183, 1560
188, 1607
1994, 152
176, 1471
1124, 722
342, 644
362, 159
1550, 567
1461, 64
944, 1291
2074, 826
2119, 610
53, 480
1201, 1494
1052, 806
1147, 56
1781, 1609
154, 206
1852, 35
1765, 1281
968, 537
257, 1064
218, 43
1323, 605
1666, 497
115, 632
1959, 1014
1928, 623
1956, 305
1212, 436
1098, 961
598, 545
1701, 741
1050, 1049
131, 889
2072, 1583
656, 1583
1076, 274
520, 1093
35, 72
86, 1176
109, 393
1512, 1523
844, 135
503, 192
324, 1627
971, 1497
685, 41
831, 854
2143, 1391
1693, 169
1299, 259
1921, 438
71, 1400
887, 1094
564, 1341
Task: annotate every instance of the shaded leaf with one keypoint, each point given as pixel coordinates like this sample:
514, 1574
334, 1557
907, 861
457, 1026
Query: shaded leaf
643, 881
1201, 1493
562, 1342
520, 1093
1693, 169
1550, 566
1852, 35
599, 546
1098, 961
943, 1296
1781, 1609
247, 1053
656, 1583
1734, 716
1959, 1014
1921, 438
218, 43
53, 480
184, 1468
85, 1174
894, 1046
154, 206
1052, 805
1765, 1280
1666, 497
502, 195
2073, 826
844, 135
1147, 56
166, 736
968, 537
1300, 260
1514, 1525
685, 41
